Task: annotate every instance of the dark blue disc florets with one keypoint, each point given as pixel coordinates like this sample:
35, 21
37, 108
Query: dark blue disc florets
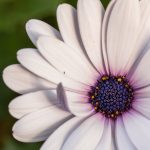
111, 96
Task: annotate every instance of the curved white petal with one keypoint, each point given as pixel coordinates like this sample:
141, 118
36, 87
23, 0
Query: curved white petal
69, 28
87, 135
66, 60
106, 140
77, 104
31, 102
123, 141
22, 81
137, 128
77, 107
140, 76
38, 125
62, 97
55, 143
36, 28
142, 37
142, 105
81, 109
122, 29
72, 97
31, 59
104, 33
68, 25
90, 16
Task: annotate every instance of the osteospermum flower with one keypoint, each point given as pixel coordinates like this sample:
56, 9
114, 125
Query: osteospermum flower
102, 60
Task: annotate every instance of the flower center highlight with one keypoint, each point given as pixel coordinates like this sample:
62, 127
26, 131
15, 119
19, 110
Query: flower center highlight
111, 96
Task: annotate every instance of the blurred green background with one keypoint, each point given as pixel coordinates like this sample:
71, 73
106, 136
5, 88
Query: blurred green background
13, 16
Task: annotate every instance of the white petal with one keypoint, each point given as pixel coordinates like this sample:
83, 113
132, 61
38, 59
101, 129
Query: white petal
90, 15
81, 109
36, 28
62, 97
31, 102
32, 60
137, 128
142, 105
68, 25
122, 140
66, 60
140, 76
22, 81
55, 143
143, 92
38, 125
77, 104
87, 135
104, 33
143, 35
106, 140
122, 29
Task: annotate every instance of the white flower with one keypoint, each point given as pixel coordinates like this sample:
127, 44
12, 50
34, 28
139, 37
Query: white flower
103, 61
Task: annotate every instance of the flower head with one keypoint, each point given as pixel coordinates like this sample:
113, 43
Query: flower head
101, 59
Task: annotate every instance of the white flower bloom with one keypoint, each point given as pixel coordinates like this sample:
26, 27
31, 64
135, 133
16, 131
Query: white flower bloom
102, 60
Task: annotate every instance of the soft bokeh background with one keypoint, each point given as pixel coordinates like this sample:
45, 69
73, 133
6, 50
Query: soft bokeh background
13, 15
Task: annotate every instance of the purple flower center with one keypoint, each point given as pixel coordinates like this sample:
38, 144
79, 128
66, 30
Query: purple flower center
112, 96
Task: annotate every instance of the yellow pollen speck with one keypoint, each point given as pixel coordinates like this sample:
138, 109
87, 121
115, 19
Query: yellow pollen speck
95, 108
119, 79
105, 78
93, 97
117, 113
112, 115
97, 88
126, 85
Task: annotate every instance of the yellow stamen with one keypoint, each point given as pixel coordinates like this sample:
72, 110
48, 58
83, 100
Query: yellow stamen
117, 113
92, 96
97, 88
112, 115
95, 108
119, 79
126, 85
105, 78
